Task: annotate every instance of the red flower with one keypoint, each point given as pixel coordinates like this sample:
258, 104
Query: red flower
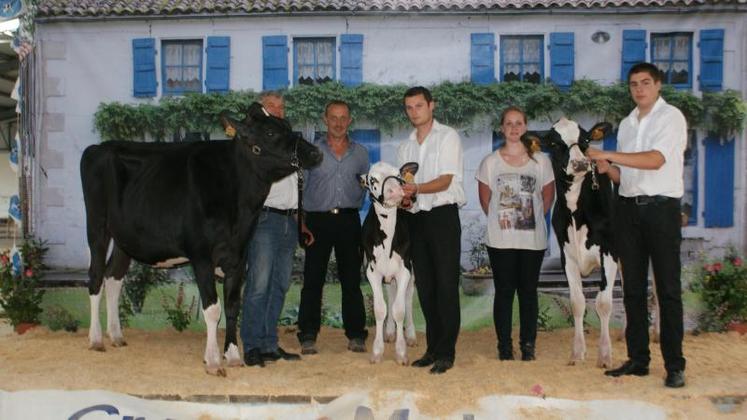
4, 258
737, 262
717, 266
708, 268
29, 273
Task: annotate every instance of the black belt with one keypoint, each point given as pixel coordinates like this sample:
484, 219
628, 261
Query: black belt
337, 211
288, 212
642, 200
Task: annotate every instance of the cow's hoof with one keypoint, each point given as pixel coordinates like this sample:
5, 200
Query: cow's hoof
97, 347
217, 371
412, 342
573, 362
234, 363
605, 364
402, 361
119, 342
389, 338
376, 358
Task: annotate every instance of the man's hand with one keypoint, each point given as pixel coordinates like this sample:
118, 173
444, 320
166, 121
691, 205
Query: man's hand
308, 237
596, 154
603, 166
230, 131
410, 189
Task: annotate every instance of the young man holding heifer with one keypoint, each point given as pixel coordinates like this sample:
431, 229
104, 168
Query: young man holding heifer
435, 229
649, 166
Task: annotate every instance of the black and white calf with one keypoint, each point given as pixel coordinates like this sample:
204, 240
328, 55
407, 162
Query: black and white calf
386, 245
582, 220
171, 203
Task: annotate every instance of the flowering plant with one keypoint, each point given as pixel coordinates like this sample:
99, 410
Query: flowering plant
722, 286
20, 294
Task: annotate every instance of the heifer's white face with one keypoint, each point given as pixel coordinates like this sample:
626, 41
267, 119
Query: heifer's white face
384, 184
570, 133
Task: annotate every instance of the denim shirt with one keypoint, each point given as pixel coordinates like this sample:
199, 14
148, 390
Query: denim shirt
334, 183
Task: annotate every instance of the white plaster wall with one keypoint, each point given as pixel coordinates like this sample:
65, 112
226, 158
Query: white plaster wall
88, 63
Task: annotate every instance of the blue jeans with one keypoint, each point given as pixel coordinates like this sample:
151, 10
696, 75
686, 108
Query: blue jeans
270, 259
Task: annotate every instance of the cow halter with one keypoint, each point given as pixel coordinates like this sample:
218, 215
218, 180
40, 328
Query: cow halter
380, 198
592, 168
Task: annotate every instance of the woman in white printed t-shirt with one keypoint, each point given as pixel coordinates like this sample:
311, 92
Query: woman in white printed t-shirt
516, 189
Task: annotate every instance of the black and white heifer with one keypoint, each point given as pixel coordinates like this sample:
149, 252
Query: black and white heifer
386, 245
170, 203
582, 220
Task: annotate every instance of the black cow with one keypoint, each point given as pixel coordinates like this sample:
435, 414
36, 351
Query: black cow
582, 220
170, 203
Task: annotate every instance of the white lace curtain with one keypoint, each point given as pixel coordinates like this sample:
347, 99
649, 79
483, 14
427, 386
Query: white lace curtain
182, 65
314, 60
672, 56
521, 58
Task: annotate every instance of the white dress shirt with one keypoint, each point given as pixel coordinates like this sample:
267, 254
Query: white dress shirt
284, 193
440, 154
663, 129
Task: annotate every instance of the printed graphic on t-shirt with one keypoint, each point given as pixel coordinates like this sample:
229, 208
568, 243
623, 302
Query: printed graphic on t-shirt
515, 201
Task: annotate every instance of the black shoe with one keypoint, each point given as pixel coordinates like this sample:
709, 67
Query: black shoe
506, 354
628, 368
441, 366
527, 352
357, 345
254, 358
675, 379
279, 354
308, 347
424, 361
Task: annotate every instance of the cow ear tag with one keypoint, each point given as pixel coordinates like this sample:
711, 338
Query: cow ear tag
600, 131
408, 171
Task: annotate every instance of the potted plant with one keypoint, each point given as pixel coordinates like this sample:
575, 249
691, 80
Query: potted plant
722, 287
20, 294
478, 280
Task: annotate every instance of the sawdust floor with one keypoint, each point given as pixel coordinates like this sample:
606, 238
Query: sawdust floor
170, 363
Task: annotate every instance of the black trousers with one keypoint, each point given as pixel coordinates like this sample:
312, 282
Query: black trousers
515, 270
343, 233
435, 243
651, 232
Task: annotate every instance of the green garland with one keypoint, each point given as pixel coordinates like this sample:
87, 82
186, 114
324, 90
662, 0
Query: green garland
458, 104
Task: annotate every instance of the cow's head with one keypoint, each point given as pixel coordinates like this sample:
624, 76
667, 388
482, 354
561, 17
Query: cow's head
271, 143
567, 142
384, 182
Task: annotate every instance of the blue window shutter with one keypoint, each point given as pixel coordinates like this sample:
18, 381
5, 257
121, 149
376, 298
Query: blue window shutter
144, 67
561, 59
351, 59
218, 63
711, 60
371, 139
274, 62
633, 50
610, 142
482, 58
719, 183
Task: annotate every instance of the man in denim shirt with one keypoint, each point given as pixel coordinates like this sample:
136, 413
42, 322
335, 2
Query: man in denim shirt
332, 198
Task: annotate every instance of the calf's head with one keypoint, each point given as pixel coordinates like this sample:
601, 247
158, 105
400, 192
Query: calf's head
567, 142
384, 182
270, 142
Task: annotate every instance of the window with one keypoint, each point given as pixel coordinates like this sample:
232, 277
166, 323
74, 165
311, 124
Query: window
522, 58
672, 53
182, 66
314, 60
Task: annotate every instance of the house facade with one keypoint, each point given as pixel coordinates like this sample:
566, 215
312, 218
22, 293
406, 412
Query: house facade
135, 52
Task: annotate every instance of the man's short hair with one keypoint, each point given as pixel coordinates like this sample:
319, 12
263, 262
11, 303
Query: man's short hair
649, 68
336, 102
419, 90
270, 94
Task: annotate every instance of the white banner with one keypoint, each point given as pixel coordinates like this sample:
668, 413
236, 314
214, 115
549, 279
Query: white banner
103, 405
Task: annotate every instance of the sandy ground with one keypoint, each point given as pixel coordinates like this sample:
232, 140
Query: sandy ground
169, 363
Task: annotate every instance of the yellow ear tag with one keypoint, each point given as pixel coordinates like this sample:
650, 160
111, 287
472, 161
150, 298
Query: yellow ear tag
535, 146
230, 131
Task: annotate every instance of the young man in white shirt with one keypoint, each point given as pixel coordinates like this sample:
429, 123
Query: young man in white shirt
648, 165
433, 221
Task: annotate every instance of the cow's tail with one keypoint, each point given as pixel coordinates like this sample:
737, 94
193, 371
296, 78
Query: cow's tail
603, 286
